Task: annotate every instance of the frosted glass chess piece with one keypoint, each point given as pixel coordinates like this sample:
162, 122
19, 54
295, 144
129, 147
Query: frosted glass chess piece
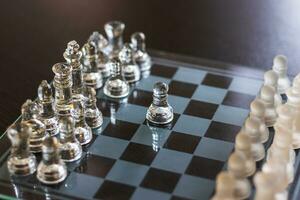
21, 161
280, 67
83, 132
116, 86
47, 115
52, 169
271, 79
293, 94
63, 88
267, 95
296, 132
264, 185
225, 185
257, 112
237, 167
252, 129
70, 148
160, 112
140, 56
101, 45
73, 56
243, 147
114, 31
130, 70
92, 114
92, 76
30, 113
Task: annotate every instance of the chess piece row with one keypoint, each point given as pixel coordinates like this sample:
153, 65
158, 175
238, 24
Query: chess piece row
266, 111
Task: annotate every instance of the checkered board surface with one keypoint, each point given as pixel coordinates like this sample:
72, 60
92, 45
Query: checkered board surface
130, 159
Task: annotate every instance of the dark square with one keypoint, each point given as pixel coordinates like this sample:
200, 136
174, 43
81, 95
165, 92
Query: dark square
167, 126
95, 165
179, 88
217, 81
182, 142
201, 109
221, 131
139, 153
237, 99
178, 198
160, 180
204, 167
140, 97
164, 71
107, 107
122, 129
112, 190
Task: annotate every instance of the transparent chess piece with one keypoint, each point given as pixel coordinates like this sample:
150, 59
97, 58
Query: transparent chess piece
225, 186
280, 67
52, 169
70, 148
130, 70
265, 186
114, 31
83, 132
30, 113
21, 161
63, 88
116, 86
47, 115
93, 115
271, 79
101, 45
140, 56
92, 76
293, 94
73, 57
160, 112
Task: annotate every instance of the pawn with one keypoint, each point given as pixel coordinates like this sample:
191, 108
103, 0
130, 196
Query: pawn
251, 128
257, 112
243, 147
130, 69
280, 67
52, 169
160, 112
21, 162
296, 132
30, 112
47, 115
116, 86
225, 186
237, 167
271, 79
83, 132
70, 148
92, 76
92, 114
267, 97
141, 57
264, 185
293, 94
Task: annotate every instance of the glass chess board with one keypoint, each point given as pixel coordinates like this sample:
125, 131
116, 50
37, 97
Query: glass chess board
131, 159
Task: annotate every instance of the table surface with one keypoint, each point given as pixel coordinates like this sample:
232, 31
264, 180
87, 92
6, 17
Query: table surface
34, 35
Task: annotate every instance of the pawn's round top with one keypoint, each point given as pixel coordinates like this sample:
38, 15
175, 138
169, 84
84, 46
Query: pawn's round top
267, 93
114, 28
66, 124
257, 108
251, 126
242, 141
160, 88
280, 63
30, 110
125, 55
44, 91
270, 78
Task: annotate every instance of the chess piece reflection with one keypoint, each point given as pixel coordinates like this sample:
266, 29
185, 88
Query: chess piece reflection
52, 169
114, 31
158, 136
21, 161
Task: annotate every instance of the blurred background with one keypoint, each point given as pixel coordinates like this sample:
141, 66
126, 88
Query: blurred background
34, 35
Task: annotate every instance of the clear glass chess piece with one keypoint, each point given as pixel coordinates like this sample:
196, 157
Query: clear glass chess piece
47, 115
21, 161
160, 112
52, 169
114, 31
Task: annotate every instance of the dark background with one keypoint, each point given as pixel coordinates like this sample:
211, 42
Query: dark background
34, 34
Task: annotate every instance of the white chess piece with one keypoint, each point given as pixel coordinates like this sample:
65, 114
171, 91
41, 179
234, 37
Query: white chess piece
243, 146
252, 129
271, 79
293, 94
280, 67
224, 187
257, 112
264, 186
267, 94
237, 167
296, 132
